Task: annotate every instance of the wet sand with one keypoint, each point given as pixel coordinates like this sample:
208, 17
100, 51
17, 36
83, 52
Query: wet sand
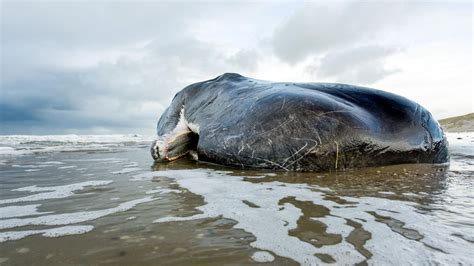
99, 202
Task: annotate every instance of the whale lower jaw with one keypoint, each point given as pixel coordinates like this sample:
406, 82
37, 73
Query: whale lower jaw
181, 141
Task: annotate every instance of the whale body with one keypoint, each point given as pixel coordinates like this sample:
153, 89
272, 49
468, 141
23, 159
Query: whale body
247, 123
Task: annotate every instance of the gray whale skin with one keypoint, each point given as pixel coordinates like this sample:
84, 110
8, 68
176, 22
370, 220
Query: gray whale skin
247, 123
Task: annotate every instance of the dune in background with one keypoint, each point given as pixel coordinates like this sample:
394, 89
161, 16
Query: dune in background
463, 123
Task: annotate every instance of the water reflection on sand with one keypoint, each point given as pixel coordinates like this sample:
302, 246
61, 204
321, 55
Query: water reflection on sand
350, 217
109, 207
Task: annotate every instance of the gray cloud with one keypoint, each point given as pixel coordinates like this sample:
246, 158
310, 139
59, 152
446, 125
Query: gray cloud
319, 28
128, 93
107, 68
104, 67
245, 60
359, 65
341, 39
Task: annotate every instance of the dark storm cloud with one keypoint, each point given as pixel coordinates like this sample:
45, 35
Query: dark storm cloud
88, 66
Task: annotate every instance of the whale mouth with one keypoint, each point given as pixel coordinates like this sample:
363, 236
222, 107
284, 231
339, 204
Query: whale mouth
181, 144
182, 140
174, 146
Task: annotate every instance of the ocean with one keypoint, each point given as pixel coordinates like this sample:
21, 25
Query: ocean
100, 199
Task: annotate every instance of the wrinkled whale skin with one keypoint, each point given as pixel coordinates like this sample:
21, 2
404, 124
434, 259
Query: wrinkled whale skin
251, 123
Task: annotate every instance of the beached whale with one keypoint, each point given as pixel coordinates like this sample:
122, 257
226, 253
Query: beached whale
238, 121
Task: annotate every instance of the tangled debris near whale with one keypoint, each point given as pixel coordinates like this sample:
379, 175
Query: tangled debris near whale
242, 122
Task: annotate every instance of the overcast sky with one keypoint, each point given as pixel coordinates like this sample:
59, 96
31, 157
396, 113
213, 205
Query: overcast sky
102, 67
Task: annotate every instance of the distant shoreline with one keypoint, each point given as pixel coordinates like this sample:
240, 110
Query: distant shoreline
463, 123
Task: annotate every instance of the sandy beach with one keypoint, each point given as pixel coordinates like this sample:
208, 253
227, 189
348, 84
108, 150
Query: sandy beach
100, 200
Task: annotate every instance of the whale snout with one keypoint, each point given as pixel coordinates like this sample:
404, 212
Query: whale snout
155, 151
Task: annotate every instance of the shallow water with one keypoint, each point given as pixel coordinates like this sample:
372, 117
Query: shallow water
99, 200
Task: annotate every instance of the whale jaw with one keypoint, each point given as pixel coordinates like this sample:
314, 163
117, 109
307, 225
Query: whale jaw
174, 147
182, 140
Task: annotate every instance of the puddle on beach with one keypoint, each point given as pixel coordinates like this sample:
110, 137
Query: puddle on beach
76, 201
